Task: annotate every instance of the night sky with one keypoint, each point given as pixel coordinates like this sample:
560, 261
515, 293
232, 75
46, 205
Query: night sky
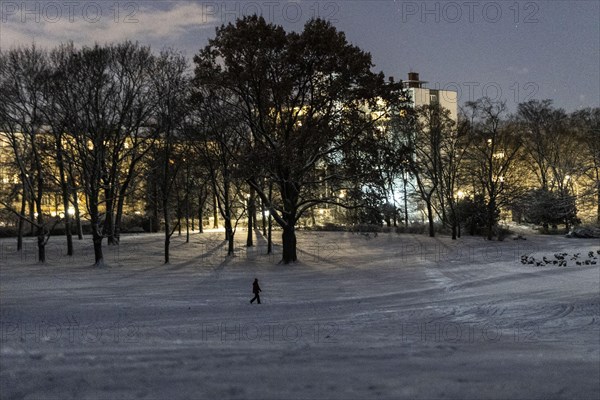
508, 50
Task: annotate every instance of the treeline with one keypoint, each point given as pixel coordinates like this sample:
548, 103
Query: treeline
267, 117
537, 163
274, 123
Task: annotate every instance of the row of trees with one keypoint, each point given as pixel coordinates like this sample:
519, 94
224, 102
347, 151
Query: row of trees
267, 115
84, 113
535, 163
270, 122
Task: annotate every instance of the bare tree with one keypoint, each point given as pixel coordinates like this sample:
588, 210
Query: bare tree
23, 83
61, 151
83, 103
130, 139
303, 97
453, 150
16, 191
586, 125
396, 155
218, 140
492, 158
105, 107
535, 120
170, 84
552, 147
433, 127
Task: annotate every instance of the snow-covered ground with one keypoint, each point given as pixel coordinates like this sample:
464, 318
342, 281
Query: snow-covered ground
392, 316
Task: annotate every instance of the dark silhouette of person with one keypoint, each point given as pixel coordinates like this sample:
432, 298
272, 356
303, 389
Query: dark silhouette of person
256, 290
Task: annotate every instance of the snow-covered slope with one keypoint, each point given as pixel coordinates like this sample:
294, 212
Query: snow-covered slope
392, 316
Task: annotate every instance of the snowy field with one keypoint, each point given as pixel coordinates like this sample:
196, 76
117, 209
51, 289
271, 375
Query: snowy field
392, 316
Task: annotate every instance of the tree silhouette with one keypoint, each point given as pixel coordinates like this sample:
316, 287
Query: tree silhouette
303, 98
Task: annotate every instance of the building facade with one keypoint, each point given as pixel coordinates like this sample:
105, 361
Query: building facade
420, 95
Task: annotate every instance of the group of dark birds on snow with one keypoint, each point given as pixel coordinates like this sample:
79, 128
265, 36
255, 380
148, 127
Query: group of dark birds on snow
560, 259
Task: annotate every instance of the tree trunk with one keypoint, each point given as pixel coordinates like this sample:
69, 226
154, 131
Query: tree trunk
200, 214
270, 223
289, 195
598, 199
118, 218
249, 241
68, 232
31, 216
453, 220
430, 219
187, 218
187, 204
75, 201
264, 218
179, 219
96, 236
490, 231
166, 189
155, 221
187, 228
230, 236
289, 244
98, 256
215, 212
405, 202
21, 222
167, 244
41, 239
65, 198
109, 225
117, 226
78, 223
119, 213
165, 207
41, 235
490, 219
230, 246
69, 235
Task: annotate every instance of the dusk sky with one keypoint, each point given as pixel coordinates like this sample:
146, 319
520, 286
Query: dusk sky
509, 50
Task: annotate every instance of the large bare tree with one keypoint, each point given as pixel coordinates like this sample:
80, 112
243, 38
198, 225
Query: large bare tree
492, 158
170, 85
218, 139
105, 102
24, 74
433, 128
303, 98
586, 125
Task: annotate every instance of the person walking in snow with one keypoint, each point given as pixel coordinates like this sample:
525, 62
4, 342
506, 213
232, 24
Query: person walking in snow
256, 290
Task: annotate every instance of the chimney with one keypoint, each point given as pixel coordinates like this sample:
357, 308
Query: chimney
413, 80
